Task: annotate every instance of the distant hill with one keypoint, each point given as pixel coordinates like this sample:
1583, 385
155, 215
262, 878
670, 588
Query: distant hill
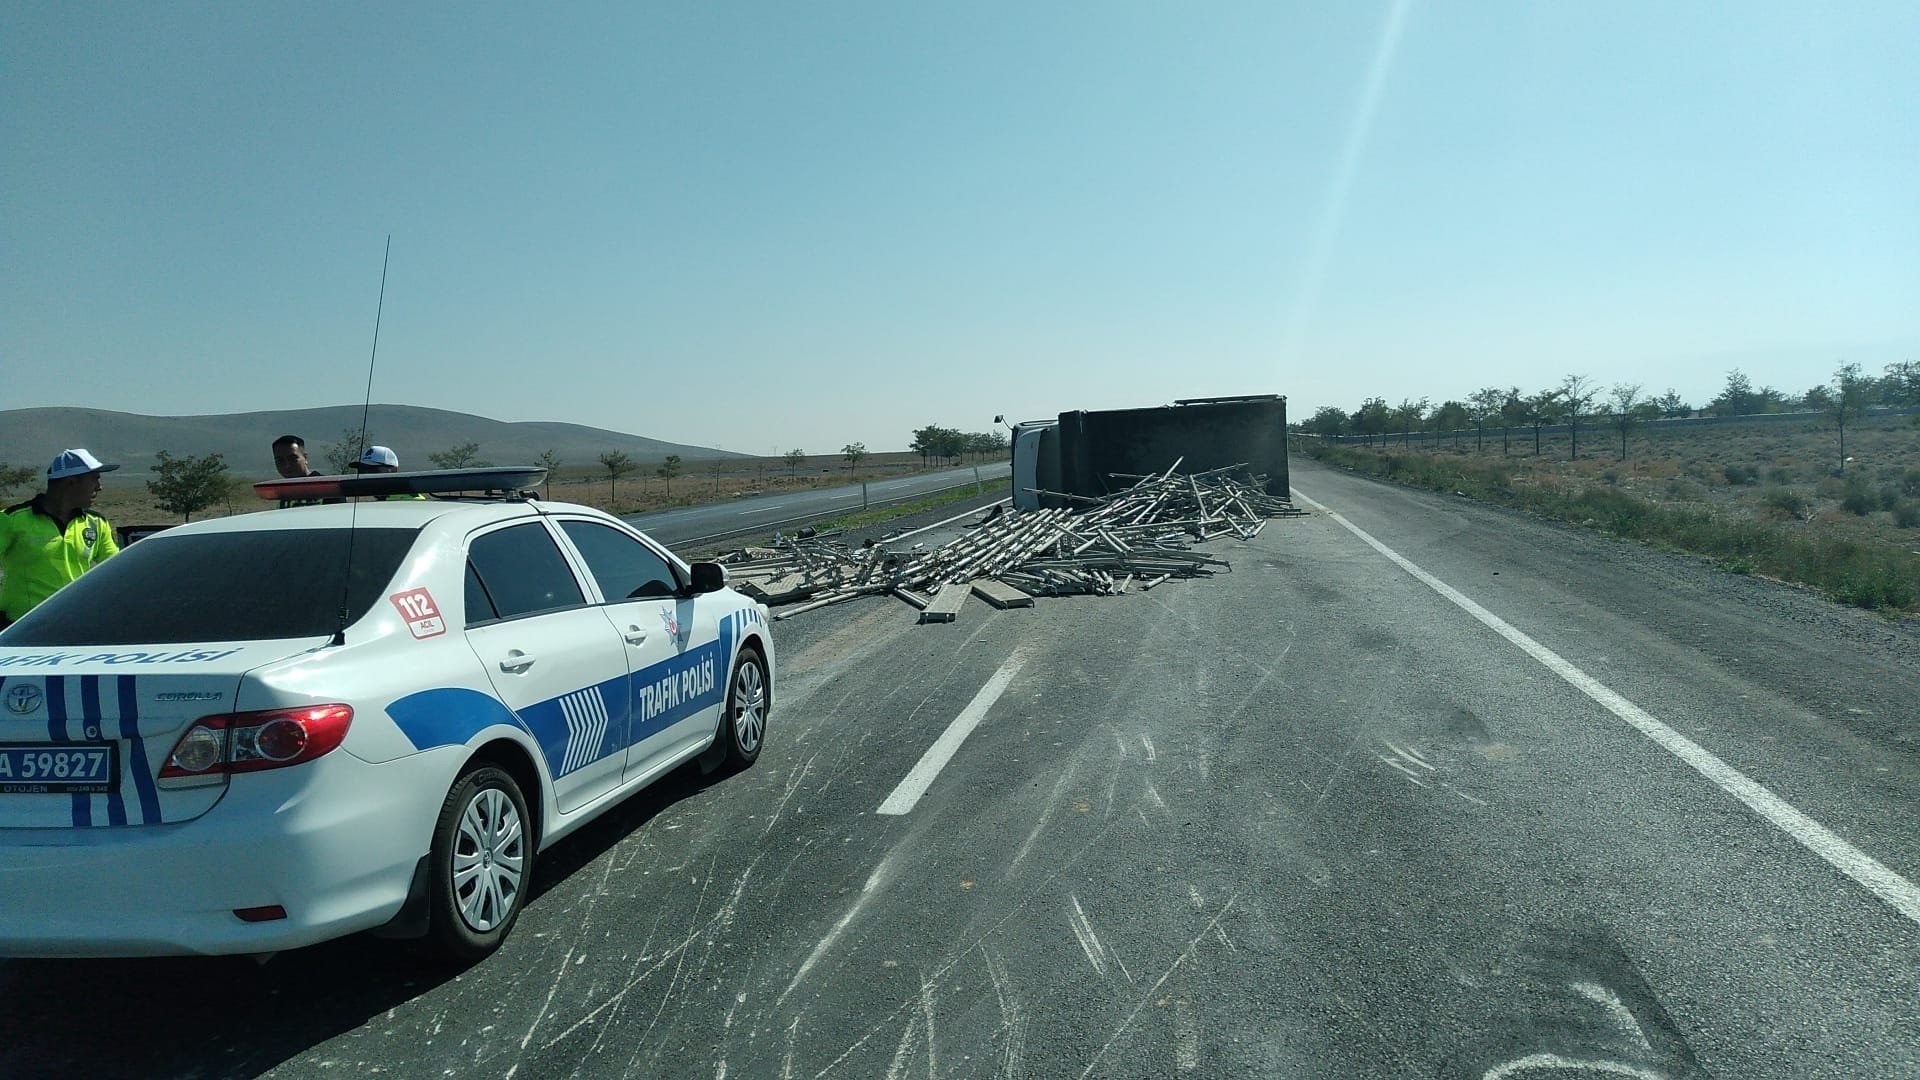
33, 436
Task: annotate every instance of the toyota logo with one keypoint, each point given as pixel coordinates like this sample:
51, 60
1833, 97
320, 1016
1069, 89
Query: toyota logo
23, 699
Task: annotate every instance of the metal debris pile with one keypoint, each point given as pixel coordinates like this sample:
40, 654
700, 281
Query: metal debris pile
1134, 539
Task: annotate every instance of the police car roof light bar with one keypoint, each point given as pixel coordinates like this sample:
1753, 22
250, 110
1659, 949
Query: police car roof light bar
505, 478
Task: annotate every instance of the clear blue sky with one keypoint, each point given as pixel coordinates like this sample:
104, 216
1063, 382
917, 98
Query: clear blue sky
761, 226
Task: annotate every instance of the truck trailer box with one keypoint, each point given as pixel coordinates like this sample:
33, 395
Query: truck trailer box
1078, 453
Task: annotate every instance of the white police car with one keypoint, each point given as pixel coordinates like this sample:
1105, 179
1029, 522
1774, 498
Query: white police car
259, 732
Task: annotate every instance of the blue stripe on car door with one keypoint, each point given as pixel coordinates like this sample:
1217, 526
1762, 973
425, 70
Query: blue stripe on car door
137, 763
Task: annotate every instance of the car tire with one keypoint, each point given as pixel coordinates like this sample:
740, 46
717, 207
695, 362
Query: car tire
480, 865
743, 726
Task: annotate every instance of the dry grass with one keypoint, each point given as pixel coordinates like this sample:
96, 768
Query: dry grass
1765, 498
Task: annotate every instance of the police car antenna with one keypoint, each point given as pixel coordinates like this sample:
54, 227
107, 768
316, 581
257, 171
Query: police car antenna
366, 406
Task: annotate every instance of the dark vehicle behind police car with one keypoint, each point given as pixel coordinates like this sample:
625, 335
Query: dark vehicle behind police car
253, 733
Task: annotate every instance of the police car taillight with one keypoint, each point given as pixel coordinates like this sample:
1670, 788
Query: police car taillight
252, 741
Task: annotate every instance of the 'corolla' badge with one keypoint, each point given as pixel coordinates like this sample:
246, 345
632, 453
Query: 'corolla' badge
196, 695
23, 699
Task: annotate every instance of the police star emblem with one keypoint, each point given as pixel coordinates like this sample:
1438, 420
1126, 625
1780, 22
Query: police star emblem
672, 622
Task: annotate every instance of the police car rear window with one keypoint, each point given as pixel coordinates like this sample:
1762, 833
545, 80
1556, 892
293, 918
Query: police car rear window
246, 586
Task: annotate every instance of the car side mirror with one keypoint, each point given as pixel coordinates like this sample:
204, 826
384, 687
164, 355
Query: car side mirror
708, 577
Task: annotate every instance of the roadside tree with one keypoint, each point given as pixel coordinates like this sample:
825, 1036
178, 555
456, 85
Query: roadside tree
1576, 393
795, 458
667, 470
1408, 417
1542, 409
854, 453
1901, 384
1849, 396
1483, 408
345, 451
1451, 416
1672, 405
549, 461
1326, 420
464, 456
617, 464
1372, 418
188, 484
1627, 409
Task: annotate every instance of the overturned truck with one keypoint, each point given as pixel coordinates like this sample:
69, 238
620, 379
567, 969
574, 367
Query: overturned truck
1085, 454
1104, 503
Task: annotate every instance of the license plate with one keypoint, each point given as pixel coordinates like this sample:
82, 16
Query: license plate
42, 769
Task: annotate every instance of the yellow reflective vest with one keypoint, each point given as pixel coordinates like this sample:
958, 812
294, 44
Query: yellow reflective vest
39, 558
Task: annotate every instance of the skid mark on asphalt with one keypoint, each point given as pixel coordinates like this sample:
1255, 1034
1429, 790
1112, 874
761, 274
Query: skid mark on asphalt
875, 881
1186, 954
1053, 803
673, 955
1153, 793
1089, 941
567, 961
678, 967
1011, 1021
1616, 1009
795, 778
1408, 761
956, 957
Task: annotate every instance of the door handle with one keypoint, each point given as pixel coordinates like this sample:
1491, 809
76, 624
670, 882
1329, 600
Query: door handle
516, 662
635, 635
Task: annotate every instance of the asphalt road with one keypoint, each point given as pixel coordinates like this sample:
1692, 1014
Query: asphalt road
1308, 818
737, 516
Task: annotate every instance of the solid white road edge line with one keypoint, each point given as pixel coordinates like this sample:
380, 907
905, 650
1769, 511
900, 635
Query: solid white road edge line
1899, 893
921, 776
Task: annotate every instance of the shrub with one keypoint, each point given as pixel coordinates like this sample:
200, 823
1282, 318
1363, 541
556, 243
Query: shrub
1858, 498
1779, 475
1910, 482
1889, 497
1741, 475
1907, 515
1683, 490
1784, 502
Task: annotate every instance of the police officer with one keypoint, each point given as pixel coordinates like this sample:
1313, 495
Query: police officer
290, 460
379, 459
53, 538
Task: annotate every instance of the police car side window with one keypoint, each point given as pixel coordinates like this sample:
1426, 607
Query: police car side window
479, 604
522, 571
624, 568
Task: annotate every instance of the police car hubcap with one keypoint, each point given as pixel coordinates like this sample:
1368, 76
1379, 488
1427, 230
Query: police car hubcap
487, 860
749, 706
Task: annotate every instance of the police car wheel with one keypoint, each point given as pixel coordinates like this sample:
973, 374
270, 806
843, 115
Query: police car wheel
744, 726
481, 863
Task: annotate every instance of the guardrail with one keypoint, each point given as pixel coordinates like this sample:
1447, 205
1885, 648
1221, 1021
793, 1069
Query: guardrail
866, 503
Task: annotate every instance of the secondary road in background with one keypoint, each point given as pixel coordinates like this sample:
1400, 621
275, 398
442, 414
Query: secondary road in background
1308, 818
737, 516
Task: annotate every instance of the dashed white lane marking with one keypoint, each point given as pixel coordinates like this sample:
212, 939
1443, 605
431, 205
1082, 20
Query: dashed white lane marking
763, 509
922, 775
1896, 891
